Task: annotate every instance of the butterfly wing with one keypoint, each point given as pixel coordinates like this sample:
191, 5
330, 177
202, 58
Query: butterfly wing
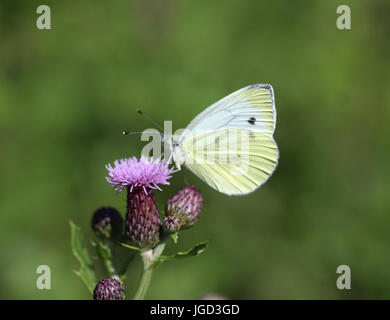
214, 135
230, 163
250, 108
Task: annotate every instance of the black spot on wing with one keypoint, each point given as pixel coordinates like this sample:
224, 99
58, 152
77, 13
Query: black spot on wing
252, 120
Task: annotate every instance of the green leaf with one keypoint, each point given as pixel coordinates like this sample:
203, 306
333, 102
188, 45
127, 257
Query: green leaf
194, 251
131, 247
86, 272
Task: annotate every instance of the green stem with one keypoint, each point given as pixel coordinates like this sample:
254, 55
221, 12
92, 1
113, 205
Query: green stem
111, 269
148, 258
145, 279
105, 252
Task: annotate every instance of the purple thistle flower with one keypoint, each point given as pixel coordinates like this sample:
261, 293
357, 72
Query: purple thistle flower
109, 289
142, 174
140, 177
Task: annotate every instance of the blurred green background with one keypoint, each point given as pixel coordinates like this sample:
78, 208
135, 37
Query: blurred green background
66, 94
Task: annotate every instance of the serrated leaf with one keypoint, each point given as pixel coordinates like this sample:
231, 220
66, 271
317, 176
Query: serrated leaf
194, 251
86, 272
131, 247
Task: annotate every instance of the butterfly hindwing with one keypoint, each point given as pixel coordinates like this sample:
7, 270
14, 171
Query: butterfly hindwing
232, 161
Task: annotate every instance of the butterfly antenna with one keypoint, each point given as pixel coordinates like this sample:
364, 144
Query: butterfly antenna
127, 133
149, 118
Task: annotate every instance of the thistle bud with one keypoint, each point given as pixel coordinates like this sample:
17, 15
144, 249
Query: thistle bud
109, 289
185, 205
107, 223
171, 224
142, 220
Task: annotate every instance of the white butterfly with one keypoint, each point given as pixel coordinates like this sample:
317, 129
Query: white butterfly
230, 145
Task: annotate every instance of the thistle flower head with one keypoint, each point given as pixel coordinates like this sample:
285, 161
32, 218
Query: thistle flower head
142, 174
185, 205
143, 221
171, 224
109, 289
107, 223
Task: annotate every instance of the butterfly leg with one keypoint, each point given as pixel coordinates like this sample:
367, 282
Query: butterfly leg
178, 167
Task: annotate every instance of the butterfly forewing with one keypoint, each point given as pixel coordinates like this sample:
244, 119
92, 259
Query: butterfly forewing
251, 108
